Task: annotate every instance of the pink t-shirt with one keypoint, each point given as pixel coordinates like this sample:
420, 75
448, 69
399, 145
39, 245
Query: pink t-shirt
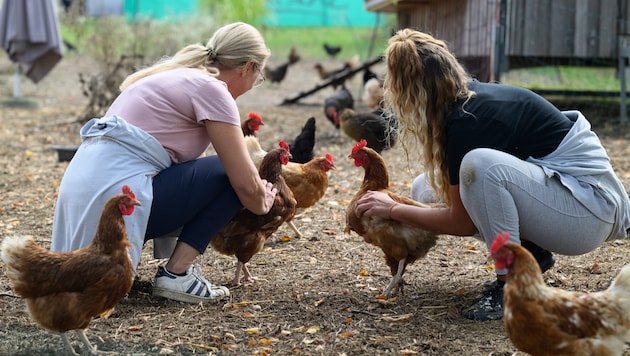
171, 107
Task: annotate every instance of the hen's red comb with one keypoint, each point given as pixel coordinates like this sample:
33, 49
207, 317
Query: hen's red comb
255, 116
127, 190
359, 145
501, 239
329, 158
284, 145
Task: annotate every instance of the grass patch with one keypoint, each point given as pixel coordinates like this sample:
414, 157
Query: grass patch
366, 42
564, 77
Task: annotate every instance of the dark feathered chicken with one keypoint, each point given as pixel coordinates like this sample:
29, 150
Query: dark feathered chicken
302, 147
332, 51
379, 131
368, 74
245, 235
336, 103
276, 75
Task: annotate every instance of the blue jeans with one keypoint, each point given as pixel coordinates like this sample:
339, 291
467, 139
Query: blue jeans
195, 196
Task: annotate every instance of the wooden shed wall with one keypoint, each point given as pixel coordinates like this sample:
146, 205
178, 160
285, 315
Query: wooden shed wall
532, 32
581, 29
466, 26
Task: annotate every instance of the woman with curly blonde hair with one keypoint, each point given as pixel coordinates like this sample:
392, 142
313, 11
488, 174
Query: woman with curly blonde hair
501, 159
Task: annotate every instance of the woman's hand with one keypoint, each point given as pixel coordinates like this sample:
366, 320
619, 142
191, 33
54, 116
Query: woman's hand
375, 204
270, 194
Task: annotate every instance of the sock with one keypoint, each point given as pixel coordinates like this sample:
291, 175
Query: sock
176, 274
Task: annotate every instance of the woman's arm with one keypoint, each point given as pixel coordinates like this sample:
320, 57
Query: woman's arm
256, 194
452, 220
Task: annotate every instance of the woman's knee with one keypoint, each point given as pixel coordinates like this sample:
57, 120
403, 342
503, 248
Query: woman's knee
474, 165
422, 191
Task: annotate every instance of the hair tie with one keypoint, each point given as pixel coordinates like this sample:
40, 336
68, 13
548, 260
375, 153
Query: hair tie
212, 53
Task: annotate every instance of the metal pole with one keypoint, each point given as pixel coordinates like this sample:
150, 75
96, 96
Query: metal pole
17, 82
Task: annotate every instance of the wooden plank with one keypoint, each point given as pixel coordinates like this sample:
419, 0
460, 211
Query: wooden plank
581, 28
515, 26
606, 40
531, 34
562, 23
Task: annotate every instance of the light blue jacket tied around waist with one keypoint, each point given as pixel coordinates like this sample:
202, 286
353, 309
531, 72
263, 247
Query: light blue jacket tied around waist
582, 165
112, 153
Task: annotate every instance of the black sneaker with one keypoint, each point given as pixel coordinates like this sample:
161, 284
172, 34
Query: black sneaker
543, 257
490, 306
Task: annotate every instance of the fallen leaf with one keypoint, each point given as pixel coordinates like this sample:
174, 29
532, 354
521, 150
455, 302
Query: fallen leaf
253, 331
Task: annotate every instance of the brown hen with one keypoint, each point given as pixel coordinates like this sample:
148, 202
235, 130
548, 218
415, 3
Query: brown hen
251, 125
308, 181
543, 320
245, 235
65, 290
402, 244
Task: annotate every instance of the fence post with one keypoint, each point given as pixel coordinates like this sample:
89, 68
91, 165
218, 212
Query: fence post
624, 57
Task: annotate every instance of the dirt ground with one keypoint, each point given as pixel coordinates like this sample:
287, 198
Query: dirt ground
311, 298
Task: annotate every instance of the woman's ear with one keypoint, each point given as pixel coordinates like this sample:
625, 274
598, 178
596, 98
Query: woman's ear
249, 66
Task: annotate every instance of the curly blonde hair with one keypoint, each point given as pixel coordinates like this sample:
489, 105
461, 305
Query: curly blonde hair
424, 80
230, 46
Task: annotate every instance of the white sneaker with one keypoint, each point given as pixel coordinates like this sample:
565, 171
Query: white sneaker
191, 288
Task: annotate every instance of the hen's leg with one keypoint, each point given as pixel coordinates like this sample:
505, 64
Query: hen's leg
237, 274
88, 346
397, 280
66, 342
295, 229
247, 276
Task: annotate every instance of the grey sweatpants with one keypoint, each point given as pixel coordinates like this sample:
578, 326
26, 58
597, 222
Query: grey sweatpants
503, 193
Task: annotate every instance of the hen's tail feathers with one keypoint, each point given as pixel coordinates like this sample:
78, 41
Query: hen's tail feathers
302, 147
12, 251
621, 283
256, 151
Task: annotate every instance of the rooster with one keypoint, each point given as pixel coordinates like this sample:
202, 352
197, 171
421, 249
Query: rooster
65, 290
251, 125
334, 104
308, 181
402, 244
380, 132
303, 144
245, 235
543, 320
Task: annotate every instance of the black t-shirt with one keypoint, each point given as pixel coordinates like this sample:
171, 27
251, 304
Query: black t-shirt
506, 118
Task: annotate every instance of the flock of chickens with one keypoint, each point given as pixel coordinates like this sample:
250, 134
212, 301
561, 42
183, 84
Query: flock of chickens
539, 319
379, 130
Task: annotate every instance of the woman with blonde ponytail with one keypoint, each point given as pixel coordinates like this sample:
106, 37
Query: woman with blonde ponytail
500, 158
154, 138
